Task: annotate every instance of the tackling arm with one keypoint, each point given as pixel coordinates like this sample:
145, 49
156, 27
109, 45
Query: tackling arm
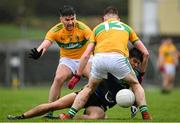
140, 46
84, 58
83, 61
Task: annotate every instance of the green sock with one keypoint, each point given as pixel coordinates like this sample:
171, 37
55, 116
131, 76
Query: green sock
143, 108
50, 114
21, 116
72, 111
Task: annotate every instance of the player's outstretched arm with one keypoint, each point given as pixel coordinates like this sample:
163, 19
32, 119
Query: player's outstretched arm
36, 53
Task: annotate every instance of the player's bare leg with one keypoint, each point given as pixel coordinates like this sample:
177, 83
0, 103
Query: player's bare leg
82, 98
171, 82
62, 74
136, 88
93, 112
62, 103
167, 83
139, 94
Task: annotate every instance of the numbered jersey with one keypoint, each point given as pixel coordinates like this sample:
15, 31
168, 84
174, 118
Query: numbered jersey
72, 43
113, 36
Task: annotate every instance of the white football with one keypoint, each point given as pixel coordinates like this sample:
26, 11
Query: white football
125, 98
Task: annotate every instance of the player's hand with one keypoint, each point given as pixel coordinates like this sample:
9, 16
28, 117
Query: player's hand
34, 54
141, 77
74, 80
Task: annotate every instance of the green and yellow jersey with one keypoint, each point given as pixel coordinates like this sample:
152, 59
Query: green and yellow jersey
113, 36
72, 43
168, 52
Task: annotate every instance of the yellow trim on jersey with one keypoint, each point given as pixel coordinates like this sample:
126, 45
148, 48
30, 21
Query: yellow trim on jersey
113, 36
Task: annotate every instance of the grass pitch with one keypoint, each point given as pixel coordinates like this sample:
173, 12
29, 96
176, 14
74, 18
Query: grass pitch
164, 108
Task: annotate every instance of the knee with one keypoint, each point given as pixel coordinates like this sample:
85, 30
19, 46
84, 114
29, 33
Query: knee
88, 88
55, 106
138, 87
59, 80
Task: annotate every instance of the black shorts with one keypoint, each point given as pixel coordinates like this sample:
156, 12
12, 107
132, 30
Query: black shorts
94, 100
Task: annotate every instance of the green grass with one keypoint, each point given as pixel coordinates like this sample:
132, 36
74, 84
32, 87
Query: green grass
9, 32
162, 107
35, 28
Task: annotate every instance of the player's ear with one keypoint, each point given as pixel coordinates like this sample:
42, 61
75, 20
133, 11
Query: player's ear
119, 18
75, 17
104, 18
60, 19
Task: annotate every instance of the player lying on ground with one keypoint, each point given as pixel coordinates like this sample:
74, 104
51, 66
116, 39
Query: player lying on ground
102, 99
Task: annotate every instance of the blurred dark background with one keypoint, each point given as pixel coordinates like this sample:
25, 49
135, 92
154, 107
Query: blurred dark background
10, 10
21, 11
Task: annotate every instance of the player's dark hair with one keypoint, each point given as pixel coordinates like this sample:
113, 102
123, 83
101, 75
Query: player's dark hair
111, 10
134, 52
67, 10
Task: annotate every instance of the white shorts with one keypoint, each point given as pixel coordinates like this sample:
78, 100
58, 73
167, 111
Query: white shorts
170, 69
71, 63
114, 63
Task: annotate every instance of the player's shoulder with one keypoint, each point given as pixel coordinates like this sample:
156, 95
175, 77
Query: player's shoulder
99, 28
124, 23
163, 47
173, 46
99, 25
81, 25
57, 27
129, 28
